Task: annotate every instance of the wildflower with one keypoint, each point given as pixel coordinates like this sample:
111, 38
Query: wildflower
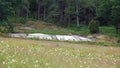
8, 66
35, 65
13, 60
24, 62
4, 62
47, 64
84, 62
81, 66
36, 61
2, 41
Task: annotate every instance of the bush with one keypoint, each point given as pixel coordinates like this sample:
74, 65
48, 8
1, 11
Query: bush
6, 27
21, 20
93, 26
118, 40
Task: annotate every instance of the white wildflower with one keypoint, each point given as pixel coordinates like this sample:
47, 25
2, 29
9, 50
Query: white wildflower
84, 62
36, 61
35, 65
8, 66
4, 62
81, 66
47, 64
2, 41
13, 60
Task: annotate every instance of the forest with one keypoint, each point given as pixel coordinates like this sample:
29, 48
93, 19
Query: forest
65, 13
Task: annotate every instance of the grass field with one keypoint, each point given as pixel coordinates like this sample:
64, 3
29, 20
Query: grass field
23, 53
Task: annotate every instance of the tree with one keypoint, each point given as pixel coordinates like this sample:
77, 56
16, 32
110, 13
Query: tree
115, 15
109, 11
77, 12
103, 12
5, 11
38, 9
94, 26
69, 11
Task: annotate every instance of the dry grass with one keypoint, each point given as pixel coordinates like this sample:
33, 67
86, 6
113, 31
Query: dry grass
41, 25
106, 38
21, 53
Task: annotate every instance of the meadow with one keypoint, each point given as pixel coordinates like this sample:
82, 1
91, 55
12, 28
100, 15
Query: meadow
24, 53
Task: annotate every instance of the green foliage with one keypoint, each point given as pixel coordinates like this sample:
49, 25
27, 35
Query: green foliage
21, 20
103, 12
5, 11
6, 27
62, 12
109, 11
93, 26
118, 40
104, 9
115, 14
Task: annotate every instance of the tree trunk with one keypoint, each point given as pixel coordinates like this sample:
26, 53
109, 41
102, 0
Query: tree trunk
77, 13
27, 11
44, 16
38, 9
69, 21
78, 23
62, 18
17, 14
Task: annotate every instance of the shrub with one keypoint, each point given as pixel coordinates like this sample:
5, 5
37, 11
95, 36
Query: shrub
93, 26
21, 20
6, 27
118, 40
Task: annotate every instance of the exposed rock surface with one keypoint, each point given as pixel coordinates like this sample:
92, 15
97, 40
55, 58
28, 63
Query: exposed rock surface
51, 37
